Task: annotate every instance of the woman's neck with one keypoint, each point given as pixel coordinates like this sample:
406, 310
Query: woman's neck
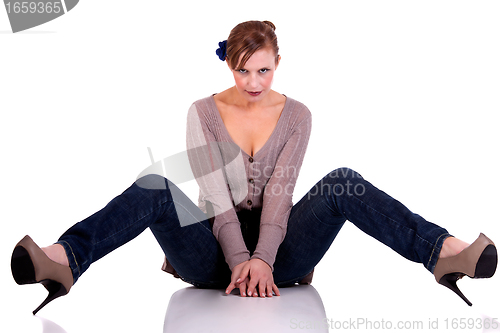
233, 97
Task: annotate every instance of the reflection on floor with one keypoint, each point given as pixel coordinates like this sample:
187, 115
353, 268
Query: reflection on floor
50, 327
202, 310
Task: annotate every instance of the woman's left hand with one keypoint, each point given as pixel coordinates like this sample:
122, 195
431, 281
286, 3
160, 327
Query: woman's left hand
260, 274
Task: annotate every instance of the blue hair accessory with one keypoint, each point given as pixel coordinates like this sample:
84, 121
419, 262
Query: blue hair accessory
221, 51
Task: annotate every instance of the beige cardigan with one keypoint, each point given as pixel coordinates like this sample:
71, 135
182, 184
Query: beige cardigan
231, 180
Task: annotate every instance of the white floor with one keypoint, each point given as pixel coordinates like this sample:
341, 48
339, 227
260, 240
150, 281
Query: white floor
193, 310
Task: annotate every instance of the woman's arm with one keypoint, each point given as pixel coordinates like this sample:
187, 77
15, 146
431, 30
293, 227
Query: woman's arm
277, 201
209, 161
277, 204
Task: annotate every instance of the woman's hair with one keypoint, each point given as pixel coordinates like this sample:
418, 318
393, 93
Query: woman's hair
248, 37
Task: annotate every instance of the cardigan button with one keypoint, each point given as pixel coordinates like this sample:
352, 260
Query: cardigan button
251, 180
251, 159
249, 202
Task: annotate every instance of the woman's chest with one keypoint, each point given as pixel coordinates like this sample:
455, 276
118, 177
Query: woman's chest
250, 130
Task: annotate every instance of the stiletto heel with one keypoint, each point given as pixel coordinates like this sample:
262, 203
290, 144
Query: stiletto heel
55, 290
450, 281
29, 264
477, 261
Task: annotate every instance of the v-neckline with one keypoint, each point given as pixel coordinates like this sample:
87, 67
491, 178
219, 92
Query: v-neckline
219, 118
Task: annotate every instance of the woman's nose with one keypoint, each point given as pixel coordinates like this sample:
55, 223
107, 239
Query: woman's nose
253, 81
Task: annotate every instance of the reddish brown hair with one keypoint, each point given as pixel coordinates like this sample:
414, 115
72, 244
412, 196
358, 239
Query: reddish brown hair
248, 37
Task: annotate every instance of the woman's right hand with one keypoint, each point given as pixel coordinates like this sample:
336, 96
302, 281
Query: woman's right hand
242, 285
261, 274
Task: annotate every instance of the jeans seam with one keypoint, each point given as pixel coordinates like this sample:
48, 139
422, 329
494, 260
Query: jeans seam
72, 254
132, 224
406, 227
141, 218
316, 216
393, 222
434, 249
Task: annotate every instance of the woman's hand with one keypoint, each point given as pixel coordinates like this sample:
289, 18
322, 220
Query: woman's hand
260, 274
236, 282
249, 274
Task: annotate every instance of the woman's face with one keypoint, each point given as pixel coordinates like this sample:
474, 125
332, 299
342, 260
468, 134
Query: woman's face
255, 79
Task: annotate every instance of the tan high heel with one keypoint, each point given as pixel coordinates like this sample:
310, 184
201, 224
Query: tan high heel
30, 264
479, 260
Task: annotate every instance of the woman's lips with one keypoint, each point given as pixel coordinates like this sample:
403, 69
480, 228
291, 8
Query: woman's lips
254, 93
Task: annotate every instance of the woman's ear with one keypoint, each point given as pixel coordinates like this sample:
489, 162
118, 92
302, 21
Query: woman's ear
277, 62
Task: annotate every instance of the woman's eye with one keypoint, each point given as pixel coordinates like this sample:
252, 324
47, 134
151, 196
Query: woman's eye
263, 70
242, 71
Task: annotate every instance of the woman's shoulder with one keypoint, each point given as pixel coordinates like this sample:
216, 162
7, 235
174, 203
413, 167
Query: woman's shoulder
205, 101
299, 109
204, 106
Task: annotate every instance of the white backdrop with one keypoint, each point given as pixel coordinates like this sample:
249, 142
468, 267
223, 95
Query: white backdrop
404, 92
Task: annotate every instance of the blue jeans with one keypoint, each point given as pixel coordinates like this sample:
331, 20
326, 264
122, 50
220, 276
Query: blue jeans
313, 224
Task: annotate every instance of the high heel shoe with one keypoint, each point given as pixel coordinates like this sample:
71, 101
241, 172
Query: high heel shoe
30, 264
479, 260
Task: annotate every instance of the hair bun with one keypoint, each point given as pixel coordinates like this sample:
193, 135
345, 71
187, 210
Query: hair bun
269, 23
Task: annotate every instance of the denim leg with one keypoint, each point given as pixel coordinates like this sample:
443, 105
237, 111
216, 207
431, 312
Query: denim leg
344, 195
191, 248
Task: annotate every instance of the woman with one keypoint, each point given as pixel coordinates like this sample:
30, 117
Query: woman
245, 147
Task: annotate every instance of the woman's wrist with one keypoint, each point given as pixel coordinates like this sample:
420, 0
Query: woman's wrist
241, 264
261, 259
